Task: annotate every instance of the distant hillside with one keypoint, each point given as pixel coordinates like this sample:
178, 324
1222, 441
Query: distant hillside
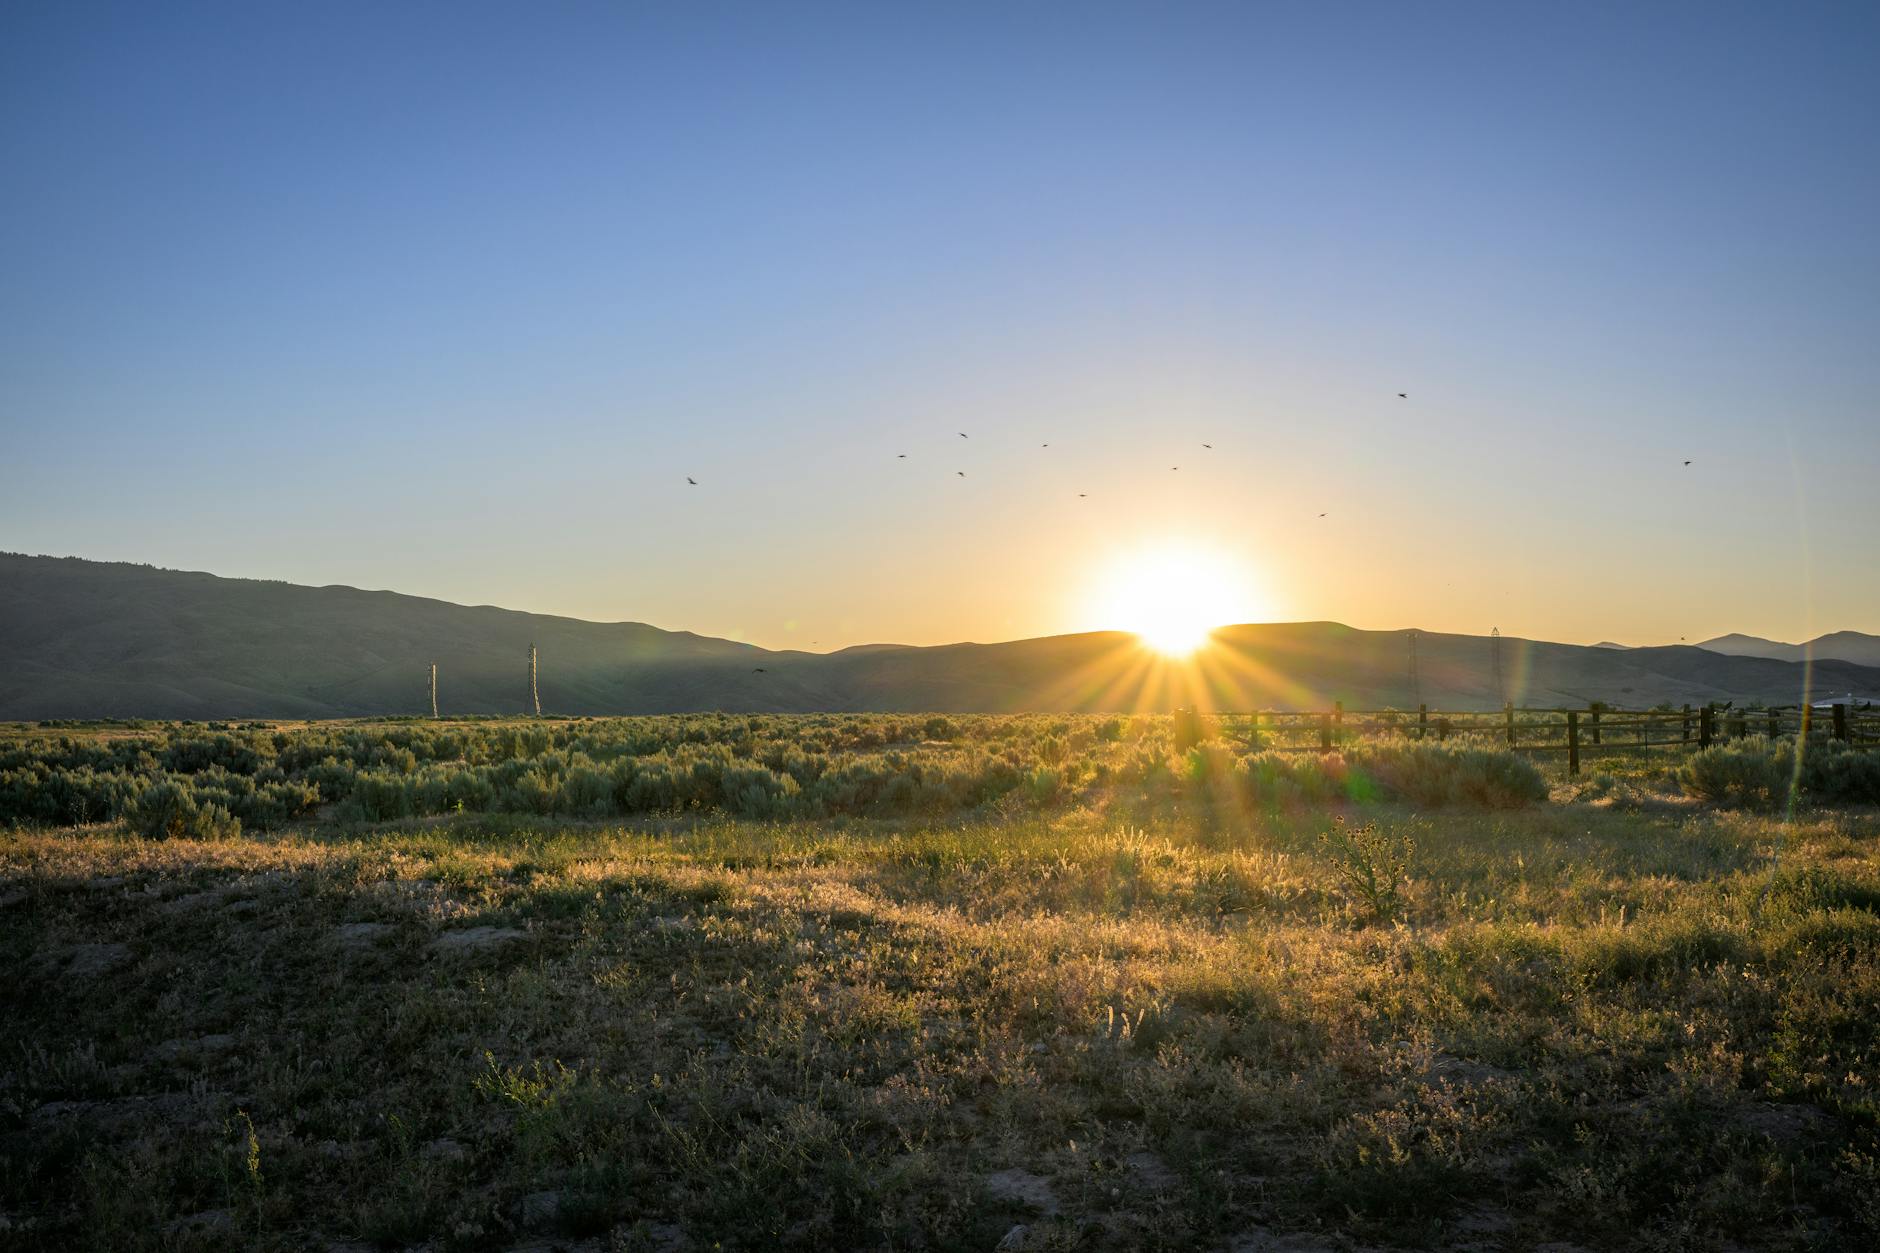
100, 639
93, 639
1855, 646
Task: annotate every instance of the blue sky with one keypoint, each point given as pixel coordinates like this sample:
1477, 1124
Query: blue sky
452, 298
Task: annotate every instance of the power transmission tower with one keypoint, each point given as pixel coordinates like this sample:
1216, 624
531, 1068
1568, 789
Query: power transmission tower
434, 689
1416, 679
1494, 652
535, 695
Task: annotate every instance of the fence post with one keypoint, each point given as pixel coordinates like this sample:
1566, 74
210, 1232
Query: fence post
1840, 722
1593, 715
1338, 720
1706, 725
1423, 721
1573, 741
1808, 720
1684, 733
1775, 724
1507, 714
1325, 733
1256, 729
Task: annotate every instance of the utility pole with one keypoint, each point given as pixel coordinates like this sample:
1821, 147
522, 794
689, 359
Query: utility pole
1416, 679
535, 694
1494, 652
434, 689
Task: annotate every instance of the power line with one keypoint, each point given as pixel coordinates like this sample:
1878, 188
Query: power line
1494, 649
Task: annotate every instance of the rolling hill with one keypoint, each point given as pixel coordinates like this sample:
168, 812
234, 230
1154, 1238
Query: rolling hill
1855, 646
96, 639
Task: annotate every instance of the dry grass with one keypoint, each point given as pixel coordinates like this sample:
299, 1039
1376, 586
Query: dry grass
1605, 1021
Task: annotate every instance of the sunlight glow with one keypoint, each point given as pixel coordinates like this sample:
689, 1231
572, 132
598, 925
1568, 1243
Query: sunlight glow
1174, 595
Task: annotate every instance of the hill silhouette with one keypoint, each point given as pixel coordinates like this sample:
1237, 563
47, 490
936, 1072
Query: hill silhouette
88, 639
1855, 646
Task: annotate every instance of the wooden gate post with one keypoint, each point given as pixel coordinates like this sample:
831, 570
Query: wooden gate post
1338, 719
1593, 715
1255, 739
1423, 721
1706, 725
1325, 733
1684, 734
1573, 741
1775, 725
1840, 722
1507, 714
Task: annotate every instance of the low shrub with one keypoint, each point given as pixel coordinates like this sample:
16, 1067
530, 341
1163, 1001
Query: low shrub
1753, 772
1758, 772
1840, 773
170, 810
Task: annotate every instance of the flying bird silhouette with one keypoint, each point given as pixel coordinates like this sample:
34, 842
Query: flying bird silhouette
1081, 495
759, 670
1207, 445
1687, 463
961, 473
901, 455
962, 434
691, 480
1174, 467
1403, 395
1321, 515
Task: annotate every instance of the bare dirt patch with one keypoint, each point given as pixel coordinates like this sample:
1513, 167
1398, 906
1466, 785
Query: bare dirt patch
475, 940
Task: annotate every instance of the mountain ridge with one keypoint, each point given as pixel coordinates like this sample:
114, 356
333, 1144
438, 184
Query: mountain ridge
104, 639
1854, 646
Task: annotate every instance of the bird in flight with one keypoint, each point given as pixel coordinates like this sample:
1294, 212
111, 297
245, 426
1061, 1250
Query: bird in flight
1207, 445
1403, 395
1687, 463
962, 434
901, 455
759, 670
1081, 495
961, 473
1174, 467
691, 480
1044, 445
1321, 515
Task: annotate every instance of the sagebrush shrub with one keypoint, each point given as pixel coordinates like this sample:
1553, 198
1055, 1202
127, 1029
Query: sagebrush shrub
1753, 772
170, 810
1841, 773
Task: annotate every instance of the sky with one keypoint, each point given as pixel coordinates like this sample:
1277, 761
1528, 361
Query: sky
452, 299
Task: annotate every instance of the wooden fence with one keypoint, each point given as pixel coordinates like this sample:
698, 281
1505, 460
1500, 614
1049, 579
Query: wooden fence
1575, 732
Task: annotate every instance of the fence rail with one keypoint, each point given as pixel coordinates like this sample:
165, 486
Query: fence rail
1594, 730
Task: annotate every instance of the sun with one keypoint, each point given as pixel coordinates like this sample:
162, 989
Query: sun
1174, 595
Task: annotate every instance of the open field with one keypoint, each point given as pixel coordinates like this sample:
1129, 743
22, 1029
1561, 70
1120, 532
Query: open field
1025, 983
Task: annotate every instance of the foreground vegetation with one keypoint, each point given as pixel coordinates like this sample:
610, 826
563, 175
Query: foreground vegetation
209, 781
1160, 1009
